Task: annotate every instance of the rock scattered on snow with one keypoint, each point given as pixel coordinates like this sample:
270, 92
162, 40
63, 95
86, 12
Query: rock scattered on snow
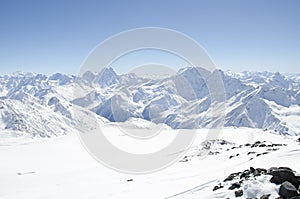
238, 193
218, 146
250, 183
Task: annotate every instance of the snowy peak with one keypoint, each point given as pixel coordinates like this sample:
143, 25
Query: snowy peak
106, 77
251, 99
290, 82
62, 79
184, 101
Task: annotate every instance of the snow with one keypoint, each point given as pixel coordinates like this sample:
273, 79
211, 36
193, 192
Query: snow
42, 157
260, 187
61, 168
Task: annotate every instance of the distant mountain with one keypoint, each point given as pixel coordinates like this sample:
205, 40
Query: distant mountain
258, 100
41, 105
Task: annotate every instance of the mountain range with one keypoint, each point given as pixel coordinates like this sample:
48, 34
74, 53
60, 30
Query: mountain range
40, 105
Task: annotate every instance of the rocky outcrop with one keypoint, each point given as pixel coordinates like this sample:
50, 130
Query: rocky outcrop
287, 190
285, 178
282, 174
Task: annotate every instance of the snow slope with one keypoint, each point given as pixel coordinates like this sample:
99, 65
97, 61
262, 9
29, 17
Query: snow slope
61, 168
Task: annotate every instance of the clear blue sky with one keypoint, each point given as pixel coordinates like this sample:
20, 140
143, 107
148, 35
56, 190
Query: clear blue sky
56, 36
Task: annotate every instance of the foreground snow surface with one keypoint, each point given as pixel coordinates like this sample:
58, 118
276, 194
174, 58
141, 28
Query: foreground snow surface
61, 168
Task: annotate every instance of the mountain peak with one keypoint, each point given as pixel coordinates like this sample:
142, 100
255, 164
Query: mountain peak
107, 77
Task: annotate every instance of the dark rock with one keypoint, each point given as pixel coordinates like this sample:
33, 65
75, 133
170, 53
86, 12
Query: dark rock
184, 160
295, 197
259, 144
250, 144
238, 193
266, 196
287, 190
282, 174
256, 174
256, 144
217, 187
252, 169
234, 186
272, 169
274, 149
129, 180
273, 145
232, 176
231, 156
245, 174
285, 168
261, 170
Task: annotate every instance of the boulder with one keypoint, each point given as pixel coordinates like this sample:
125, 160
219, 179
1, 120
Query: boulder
288, 190
245, 174
235, 185
282, 174
238, 193
232, 176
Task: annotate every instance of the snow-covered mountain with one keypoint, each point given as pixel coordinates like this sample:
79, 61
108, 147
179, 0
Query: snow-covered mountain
257, 100
37, 105
40, 105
